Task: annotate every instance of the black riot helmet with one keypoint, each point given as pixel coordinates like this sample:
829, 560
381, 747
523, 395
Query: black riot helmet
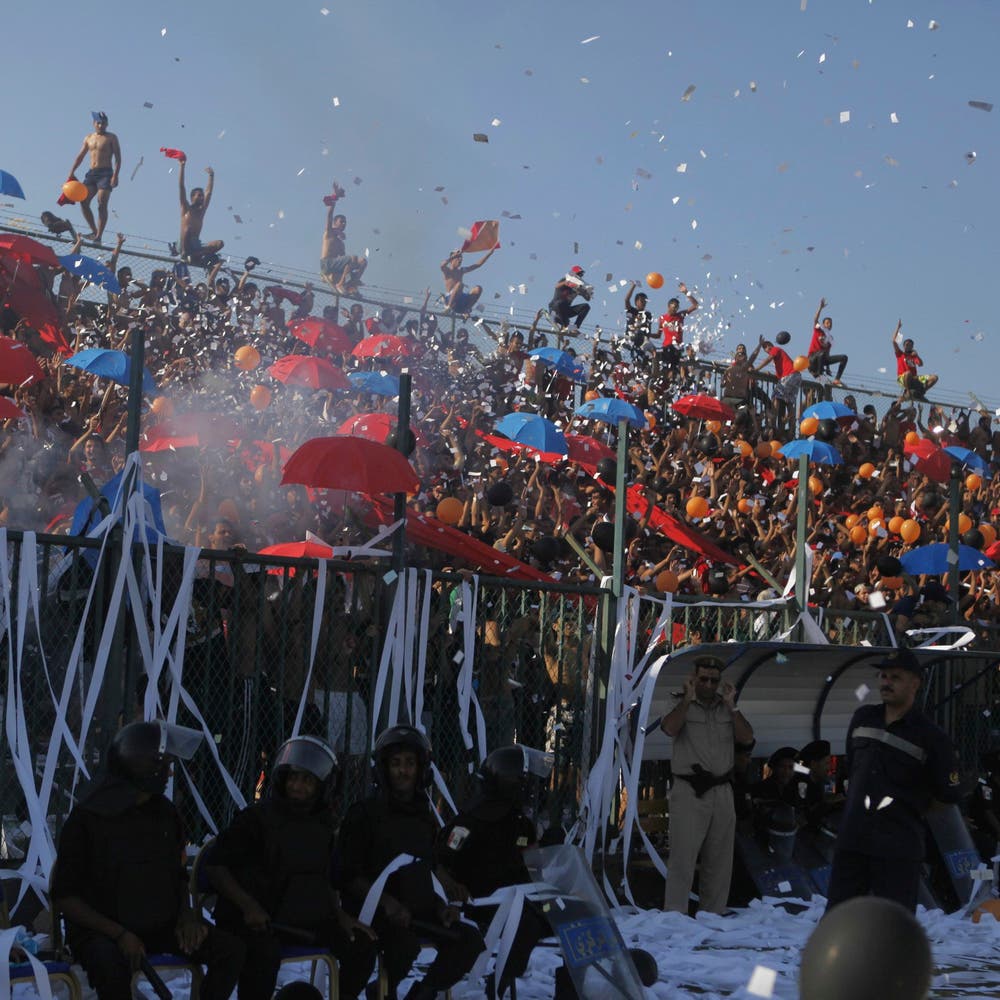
398, 738
141, 753
309, 754
507, 771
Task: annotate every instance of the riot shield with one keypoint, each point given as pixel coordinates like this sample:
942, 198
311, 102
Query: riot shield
953, 845
592, 947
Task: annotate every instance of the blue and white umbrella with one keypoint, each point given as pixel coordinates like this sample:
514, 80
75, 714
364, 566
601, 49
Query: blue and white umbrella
828, 410
90, 270
10, 186
562, 362
115, 365
610, 409
969, 459
818, 451
933, 560
377, 383
534, 431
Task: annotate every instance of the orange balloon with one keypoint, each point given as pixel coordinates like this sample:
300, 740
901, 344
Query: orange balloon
895, 523
162, 406
744, 506
667, 582
973, 482
815, 484
875, 526
801, 363
763, 449
75, 191
713, 426
909, 531
745, 449
775, 449
875, 513
989, 534
851, 520
650, 419
591, 394
866, 470
809, 426
964, 523
260, 397
654, 279
697, 507
858, 534
450, 510
991, 907
246, 358
912, 437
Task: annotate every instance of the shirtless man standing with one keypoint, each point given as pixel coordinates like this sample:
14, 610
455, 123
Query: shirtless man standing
457, 299
338, 269
102, 177
192, 217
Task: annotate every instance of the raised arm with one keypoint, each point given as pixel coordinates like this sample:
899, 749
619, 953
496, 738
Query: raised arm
480, 262
628, 296
895, 333
691, 298
180, 181
822, 306
210, 186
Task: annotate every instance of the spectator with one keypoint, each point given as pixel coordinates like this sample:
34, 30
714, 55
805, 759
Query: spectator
102, 177
561, 308
820, 358
457, 299
339, 269
672, 328
914, 385
192, 219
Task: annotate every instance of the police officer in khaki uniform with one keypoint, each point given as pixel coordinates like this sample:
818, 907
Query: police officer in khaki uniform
704, 724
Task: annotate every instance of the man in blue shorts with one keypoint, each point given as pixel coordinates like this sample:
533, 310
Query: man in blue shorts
102, 177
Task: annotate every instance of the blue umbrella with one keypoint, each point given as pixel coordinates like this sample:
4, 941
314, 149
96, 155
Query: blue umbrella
9, 185
90, 270
970, 459
828, 410
114, 365
376, 383
933, 559
534, 431
86, 518
818, 451
562, 362
610, 409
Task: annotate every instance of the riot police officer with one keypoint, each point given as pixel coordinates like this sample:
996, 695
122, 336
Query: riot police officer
272, 869
397, 820
482, 846
119, 878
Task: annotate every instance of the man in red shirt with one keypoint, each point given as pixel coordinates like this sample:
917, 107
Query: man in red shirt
789, 380
820, 358
907, 363
672, 328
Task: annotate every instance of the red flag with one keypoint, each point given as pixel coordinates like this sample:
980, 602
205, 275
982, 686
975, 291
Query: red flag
485, 235
174, 154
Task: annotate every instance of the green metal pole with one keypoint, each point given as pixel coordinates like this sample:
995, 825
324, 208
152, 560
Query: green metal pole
801, 526
402, 446
954, 503
137, 362
618, 570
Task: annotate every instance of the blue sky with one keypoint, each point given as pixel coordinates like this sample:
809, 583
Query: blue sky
884, 219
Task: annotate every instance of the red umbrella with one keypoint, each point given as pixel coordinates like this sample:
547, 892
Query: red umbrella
321, 334
383, 345
308, 372
702, 407
929, 460
374, 427
17, 363
8, 411
27, 250
299, 550
211, 430
162, 438
587, 450
351, 463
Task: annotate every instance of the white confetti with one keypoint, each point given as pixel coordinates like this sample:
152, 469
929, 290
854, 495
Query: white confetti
762, 981
324, 11
682, 168
163, 32
495, 123
933, 25
894, 118
676, 198
784, 887
221, 134
845, 117
638, 245
584, 79
753, 86
802, 5
301, 172
822, 57
861, 692
909, 24
703, 154
587, 41
694, 223
970, 157
886, 801
336, 102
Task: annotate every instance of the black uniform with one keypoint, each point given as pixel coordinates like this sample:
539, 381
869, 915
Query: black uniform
894, 773
482, 849
124, 859
283, 857
375, 832
984, 814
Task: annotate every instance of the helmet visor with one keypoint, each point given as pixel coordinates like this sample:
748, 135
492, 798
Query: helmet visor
538, 762
178, 741
307, 753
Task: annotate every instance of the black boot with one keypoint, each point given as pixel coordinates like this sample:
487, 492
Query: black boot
421, 991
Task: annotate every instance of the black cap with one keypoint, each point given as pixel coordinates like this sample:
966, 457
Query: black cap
814, 751
782, 753
902, 659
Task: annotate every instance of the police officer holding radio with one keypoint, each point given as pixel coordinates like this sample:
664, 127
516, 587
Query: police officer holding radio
119, 877
897, 762
272, 868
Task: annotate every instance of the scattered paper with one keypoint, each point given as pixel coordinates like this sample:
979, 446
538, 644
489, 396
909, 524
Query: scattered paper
163, 32
336, 102
845, 117
981, 105
894, 118
933, 25
147, 104
861, 692
686, 96
587, 41
762, 981
480, 137
682, 168
495, 123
